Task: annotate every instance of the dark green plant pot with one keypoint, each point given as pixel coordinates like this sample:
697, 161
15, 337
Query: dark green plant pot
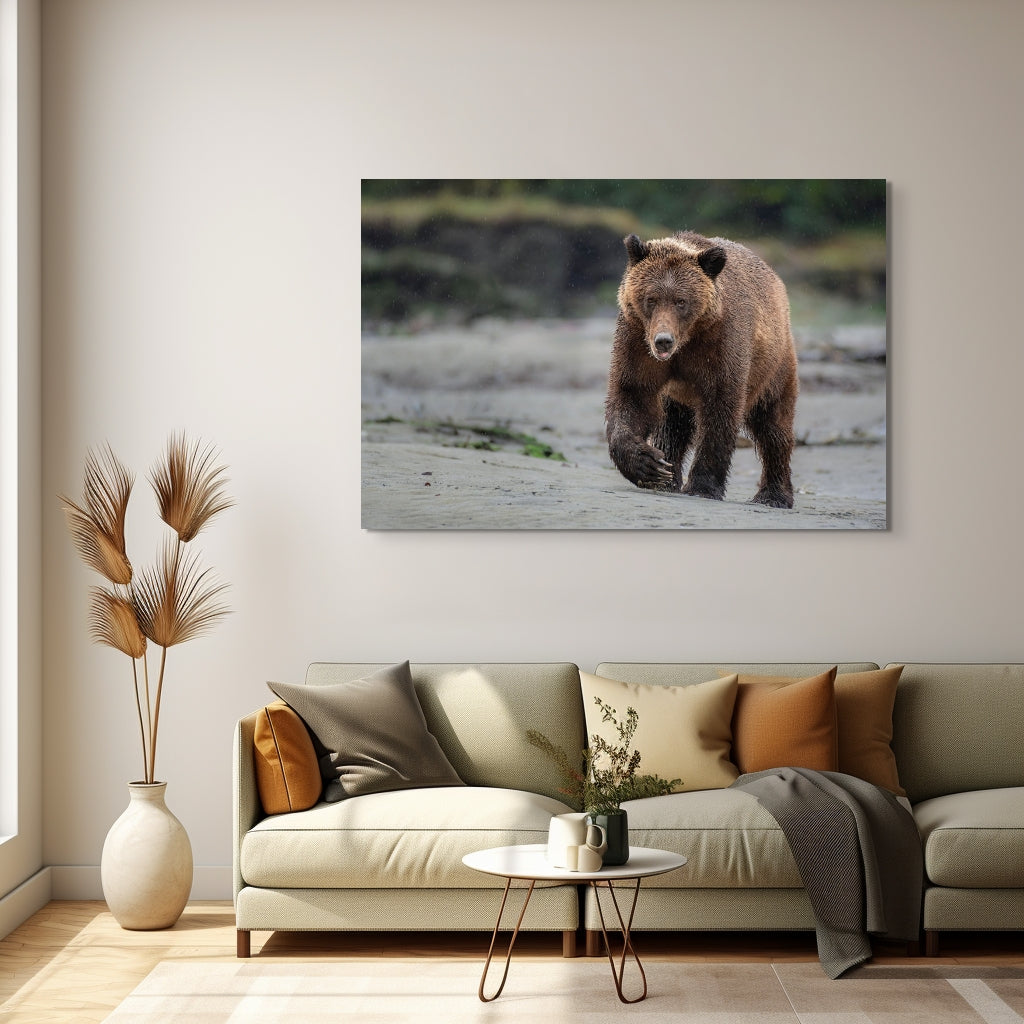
616, 827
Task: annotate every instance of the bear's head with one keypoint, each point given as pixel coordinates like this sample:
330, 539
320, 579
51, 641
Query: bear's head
669, 286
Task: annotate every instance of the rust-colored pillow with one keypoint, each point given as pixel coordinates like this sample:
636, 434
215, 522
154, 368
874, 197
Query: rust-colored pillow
287, 771
864, 702
779, 723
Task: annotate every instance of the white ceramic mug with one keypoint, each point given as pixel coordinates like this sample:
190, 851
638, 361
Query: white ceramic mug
567, 833
584, 858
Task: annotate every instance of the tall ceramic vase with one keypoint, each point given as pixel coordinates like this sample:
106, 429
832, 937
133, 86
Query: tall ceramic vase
146, 866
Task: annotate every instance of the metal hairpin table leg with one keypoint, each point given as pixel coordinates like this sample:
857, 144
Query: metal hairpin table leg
511, 942
627, 942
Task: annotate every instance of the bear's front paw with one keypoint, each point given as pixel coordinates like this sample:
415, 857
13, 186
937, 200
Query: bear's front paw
641, 463
651, 470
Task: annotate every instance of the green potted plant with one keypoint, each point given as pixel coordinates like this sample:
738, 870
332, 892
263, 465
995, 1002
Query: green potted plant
604, 775
146, 864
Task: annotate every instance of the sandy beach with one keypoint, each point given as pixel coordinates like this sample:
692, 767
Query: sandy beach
447, 413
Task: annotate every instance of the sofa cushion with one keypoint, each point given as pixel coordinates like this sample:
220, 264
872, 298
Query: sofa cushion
864, 703
403, 839
974, 840
784, 723
957, 728
728, 838
511, 698
683, 732
373, 732
287, 771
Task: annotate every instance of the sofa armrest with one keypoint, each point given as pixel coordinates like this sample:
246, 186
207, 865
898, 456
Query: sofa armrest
247, 809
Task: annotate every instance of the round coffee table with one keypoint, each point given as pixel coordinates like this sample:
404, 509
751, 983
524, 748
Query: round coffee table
530, 863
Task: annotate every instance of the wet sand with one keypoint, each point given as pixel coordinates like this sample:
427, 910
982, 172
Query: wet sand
429, 397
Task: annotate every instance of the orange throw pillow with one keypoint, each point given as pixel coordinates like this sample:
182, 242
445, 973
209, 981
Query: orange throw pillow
864, 702
779, 723
287, 771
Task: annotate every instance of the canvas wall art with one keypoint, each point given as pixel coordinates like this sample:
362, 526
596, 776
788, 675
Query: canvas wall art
624, 354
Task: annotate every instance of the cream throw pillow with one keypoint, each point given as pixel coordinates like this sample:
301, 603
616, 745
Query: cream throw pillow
683, 732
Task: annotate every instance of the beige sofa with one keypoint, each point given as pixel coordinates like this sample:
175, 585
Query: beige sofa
393, 860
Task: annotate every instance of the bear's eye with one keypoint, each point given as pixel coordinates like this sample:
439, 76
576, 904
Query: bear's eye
681, 305
649, 304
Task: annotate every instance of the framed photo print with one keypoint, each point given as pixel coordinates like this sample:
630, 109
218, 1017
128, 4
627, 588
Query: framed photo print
598, 354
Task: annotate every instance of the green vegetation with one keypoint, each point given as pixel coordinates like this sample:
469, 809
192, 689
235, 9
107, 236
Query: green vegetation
460, 249
794, 209
604, 774
483, 438
539, 450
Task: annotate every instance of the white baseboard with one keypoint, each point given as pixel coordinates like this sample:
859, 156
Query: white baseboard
20, 904
82, 882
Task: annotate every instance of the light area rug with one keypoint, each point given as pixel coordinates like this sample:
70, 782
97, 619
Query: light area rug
578, 990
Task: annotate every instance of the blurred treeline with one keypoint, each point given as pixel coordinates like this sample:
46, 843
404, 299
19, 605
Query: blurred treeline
461, 248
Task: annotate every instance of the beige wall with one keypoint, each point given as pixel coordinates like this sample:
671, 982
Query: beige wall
201, 191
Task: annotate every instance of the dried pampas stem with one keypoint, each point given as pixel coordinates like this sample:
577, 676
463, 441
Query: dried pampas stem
112, 621
175, 601
142, 727
169, 603
189, 489
97, 529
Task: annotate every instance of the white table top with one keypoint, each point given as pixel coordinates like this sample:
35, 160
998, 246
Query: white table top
531, 862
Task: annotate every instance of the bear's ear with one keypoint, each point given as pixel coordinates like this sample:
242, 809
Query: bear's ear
635, 249
712, 260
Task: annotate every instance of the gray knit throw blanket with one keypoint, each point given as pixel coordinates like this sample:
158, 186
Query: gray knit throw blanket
859, 854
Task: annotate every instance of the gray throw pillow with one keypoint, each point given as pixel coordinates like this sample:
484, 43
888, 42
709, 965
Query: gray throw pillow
373, 735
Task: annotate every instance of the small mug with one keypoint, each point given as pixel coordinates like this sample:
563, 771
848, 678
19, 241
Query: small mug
583, 858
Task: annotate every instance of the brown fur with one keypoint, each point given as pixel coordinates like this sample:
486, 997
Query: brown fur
703, 348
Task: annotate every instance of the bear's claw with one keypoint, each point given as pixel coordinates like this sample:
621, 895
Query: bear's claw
653, 470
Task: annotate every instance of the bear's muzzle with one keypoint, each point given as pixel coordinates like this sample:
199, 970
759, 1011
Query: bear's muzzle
664, 345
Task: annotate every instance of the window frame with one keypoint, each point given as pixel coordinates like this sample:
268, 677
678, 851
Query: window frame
21, 812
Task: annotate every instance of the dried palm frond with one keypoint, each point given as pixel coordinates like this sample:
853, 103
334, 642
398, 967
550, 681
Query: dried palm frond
169, 603
97, 529
175, 601
189, 489
112, 621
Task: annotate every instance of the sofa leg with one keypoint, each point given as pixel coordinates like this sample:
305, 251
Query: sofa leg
931, 942
569, 942
244, 944
594, 943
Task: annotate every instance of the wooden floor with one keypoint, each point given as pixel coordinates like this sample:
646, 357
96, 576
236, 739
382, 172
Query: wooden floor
71, 962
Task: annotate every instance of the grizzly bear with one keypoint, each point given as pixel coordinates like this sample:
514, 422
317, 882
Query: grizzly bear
703, 348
